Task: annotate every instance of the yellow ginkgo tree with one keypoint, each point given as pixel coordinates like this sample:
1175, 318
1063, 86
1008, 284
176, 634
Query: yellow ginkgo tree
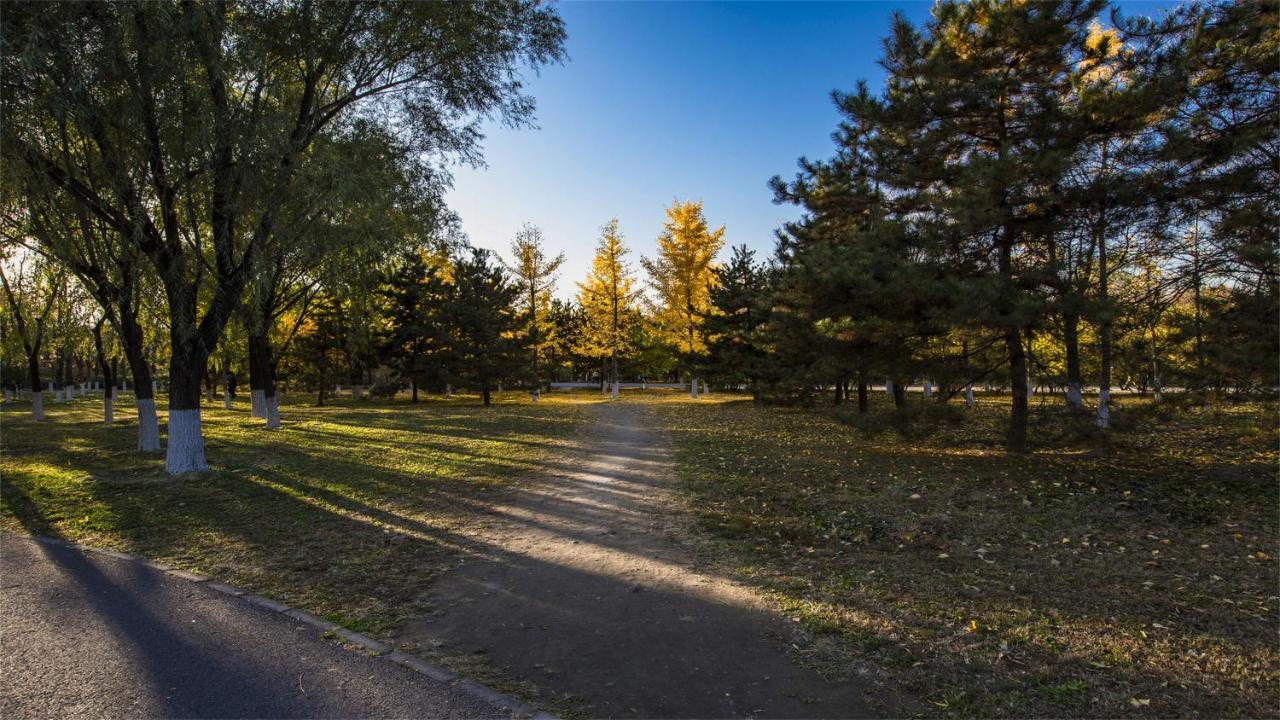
681, 277
608, 299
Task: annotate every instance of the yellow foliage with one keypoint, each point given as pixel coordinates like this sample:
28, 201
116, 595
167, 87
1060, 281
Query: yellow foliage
683, 274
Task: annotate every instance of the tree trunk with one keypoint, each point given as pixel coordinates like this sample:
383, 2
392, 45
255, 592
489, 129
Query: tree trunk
1017, 438
37, 397
413, 383
259, 357
693, 386
484, 390
186, 443
899, 391
1071, 343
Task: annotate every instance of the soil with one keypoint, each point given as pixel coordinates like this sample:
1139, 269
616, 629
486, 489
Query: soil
583, 583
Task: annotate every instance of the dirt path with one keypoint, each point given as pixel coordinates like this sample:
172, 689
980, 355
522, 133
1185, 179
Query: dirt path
580, 588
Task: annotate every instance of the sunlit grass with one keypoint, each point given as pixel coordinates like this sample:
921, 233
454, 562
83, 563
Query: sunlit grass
1133, 574
348, 511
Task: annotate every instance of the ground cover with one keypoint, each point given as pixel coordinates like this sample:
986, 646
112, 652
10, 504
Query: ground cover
348, 511
1130, 575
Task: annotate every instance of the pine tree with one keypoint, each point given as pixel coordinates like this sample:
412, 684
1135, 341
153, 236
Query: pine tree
416, 339
740, 289
485, 322
681, 276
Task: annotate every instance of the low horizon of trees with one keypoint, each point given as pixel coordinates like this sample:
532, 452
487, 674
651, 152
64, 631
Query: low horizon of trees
1043, 195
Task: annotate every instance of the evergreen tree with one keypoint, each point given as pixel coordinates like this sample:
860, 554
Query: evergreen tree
737, 296
484, 319
416, 338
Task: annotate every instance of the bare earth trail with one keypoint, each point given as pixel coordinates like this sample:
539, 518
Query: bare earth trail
578, 585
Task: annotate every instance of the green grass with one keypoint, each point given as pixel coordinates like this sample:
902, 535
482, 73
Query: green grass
1129, 575
349, 511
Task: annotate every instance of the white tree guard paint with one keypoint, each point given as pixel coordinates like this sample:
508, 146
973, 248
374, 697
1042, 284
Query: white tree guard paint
534, 395
1104, 411
968, 395
693, 388
448, 390
888, 386
1157, 395
928, 389
1075, 398
8, 395
273, 412
108, 410
258, 403
186, 445
57, 395
614, 392
51, 388
148, 427
706, 390
226, 399
37, 404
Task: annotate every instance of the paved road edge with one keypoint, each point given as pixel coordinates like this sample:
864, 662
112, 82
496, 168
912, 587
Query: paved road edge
350, 640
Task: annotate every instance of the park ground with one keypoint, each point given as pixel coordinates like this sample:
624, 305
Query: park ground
1129, 575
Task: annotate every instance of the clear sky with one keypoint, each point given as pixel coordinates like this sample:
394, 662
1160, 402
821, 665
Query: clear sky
659, 101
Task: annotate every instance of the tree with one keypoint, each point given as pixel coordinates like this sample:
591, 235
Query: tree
739, 291
484, 320
681, 276
203, 114
417, 338
30, 296
608, 299
535, 276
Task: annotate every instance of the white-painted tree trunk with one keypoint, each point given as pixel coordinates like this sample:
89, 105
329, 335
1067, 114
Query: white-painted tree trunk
928, 389
57, 395
448, 390
51, 388
357, 392
155, 387
273, 412
226, 399
108, 409
888, 386
1104, 411
693, 388
37, 404
534, 395
705, 389
1157, 395
148, 426
124, 384
8, 395
1075, 398
968, 395
614, 392
186, 445
337, 390
258, 403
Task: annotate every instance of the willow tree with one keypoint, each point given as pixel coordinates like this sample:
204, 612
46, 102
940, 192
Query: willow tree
681, 276
535, 277
203, 114
31, 287
608, 299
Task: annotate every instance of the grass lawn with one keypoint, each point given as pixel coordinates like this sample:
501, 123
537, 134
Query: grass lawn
1129, 576
348, 511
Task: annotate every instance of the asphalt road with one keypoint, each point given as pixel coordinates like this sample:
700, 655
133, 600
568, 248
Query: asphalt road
90, 636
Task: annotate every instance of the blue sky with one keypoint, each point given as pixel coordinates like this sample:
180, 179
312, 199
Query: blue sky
660, 101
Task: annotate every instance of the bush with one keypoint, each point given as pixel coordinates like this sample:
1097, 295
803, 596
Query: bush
383, 391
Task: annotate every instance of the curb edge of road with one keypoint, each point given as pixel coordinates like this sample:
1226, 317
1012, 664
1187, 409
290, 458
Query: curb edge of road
518, 709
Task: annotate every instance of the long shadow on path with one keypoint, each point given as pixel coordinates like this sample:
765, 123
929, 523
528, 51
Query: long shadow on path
586, 591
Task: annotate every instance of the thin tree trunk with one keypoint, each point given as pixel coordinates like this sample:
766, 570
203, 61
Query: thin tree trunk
1071, 345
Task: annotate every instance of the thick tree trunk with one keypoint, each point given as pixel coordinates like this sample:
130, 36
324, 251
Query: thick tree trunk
484, 390
863, 403
1017, 438
259, 357
899, 390
135, 354
693, 386
186, 443
968, 395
